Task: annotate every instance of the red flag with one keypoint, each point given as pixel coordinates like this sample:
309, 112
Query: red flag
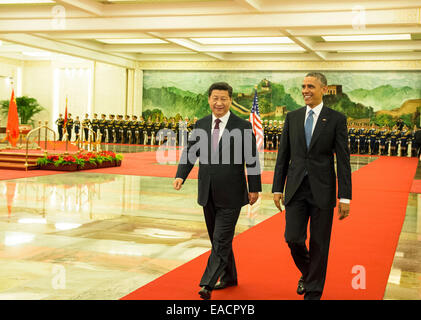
65, 117
12, 129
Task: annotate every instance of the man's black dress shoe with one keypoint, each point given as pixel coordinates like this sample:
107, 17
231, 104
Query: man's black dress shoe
300, 289
222, 285
205, 293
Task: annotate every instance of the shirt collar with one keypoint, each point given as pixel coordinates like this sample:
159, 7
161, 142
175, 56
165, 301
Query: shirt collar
223, 119
316, 109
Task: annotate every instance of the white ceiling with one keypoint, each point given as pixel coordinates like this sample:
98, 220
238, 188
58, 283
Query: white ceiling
83, 28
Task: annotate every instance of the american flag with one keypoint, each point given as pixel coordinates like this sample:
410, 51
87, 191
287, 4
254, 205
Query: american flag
256, 122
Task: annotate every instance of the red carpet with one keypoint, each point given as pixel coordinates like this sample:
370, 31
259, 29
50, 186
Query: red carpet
367, 238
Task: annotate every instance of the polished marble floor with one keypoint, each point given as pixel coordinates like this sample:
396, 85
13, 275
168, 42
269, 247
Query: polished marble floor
405, 275
101, 236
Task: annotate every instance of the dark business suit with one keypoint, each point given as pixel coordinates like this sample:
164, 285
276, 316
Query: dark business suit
310, 190
222, 189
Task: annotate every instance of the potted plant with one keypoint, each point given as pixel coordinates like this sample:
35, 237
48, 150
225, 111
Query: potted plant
88, 160
27, 108
80, 161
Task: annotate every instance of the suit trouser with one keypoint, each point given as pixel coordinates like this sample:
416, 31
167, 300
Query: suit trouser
311, 262
220, 223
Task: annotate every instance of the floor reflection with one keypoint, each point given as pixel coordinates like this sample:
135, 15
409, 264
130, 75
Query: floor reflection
405, 276
109, 233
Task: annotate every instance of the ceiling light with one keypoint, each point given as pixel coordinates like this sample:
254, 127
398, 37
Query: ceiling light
131, 41
263, 48
244, 40
25, 1
377, 37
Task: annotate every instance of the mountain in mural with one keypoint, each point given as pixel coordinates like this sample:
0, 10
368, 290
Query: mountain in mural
342, 103
172, 101
384, 97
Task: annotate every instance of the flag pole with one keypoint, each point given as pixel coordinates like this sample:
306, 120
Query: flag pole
66, 135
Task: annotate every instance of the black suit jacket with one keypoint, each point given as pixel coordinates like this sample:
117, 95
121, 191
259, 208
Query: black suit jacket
330, 136
225, 178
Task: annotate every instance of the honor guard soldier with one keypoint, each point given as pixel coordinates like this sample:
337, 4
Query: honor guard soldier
414, 146
118, 126
352, 140
86, 123
102, 125
173, 134
373, 136
383, 139
405, 137
111, 128
190, 127
155, 130
134, 130
184, 132
69, 127
362, 136
394, 138
141, 125
95, 125
280, 129
275, 134
270, 133
76, 124
149, 127
162, 135
265, 133
60, 123
126, 127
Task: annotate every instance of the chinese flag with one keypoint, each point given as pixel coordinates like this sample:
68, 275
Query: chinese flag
12, 129
65, 117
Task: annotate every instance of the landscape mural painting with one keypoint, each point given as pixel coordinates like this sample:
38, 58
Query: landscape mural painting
379, 97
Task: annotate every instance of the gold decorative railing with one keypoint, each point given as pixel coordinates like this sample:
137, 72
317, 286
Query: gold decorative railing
94, 139
27, 138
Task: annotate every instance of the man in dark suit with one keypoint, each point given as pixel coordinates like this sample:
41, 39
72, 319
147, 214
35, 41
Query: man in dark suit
305, 163
225, 145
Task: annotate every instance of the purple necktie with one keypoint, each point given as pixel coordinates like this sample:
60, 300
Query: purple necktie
215, 134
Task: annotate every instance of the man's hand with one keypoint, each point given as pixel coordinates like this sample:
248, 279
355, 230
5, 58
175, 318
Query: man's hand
178, 182
253, 196
343, 210
278, 198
